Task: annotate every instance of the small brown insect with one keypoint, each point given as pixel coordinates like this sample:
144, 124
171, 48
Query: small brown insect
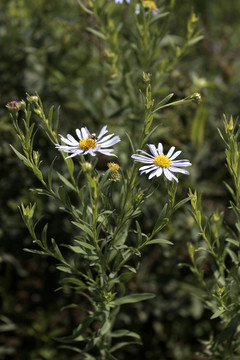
92, 136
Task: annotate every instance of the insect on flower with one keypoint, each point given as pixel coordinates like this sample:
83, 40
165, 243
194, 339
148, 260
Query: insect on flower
88, 143
158, 163
93, 137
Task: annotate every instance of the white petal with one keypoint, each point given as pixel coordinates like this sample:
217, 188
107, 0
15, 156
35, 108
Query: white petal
178, 170
71, 138
142, 159
160, 148
145, 167
103, 131
91, 152
153, 174
147, 154
137, 9
107, 152
75, 154
79, 134
181, 163
170, 151
67, 148
159, 172
169, 175
85, 132
110, 142
105, 138
66, 141
146, 171
153, 149
175, 155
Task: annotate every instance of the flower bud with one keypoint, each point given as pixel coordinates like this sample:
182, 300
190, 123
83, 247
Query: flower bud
196, 97
87, 166
113, 175
146, 77
32, 98
14, 105
36, 157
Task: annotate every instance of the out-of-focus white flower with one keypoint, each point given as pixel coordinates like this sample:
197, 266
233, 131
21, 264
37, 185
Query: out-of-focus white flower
158, 163
88, 143
121, 1
149, 6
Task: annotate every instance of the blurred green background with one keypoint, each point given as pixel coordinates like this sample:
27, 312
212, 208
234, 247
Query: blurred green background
45, 48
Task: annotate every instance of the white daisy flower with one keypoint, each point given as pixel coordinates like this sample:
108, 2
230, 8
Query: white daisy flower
88, 143
159, 163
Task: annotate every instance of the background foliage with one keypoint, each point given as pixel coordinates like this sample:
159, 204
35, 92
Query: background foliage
46, 48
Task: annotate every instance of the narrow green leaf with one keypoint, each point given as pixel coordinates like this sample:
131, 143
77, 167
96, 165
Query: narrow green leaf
133, 298
198, 126
123, 344
57, 252
42, 192
66, 182
130, 142
37, 172
126, 276
73, 281
70, 166
157, 17
84, 7
44, 237
76, 249
130, 268
29, 134
233, 241
162, 131
233, 256
103, 180
159, 241
217, 313
229, 330
64, 268
85, 244
96, 33
163, 102
105, 326
64, 197
39, 252
50, 173
121, 333
139, 233
50, 116
195, 40
161, 217
85, 228
77, 350
181, 203
21, 157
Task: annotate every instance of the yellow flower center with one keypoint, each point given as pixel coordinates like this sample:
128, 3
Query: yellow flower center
162, 161
113, 166
86, 144
150, 5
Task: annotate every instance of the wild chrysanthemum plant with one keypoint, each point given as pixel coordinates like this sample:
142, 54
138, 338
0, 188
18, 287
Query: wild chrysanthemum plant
215, 256
104, 252
88, 143
158, 163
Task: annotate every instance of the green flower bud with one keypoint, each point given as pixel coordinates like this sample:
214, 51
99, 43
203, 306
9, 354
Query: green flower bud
196, 97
